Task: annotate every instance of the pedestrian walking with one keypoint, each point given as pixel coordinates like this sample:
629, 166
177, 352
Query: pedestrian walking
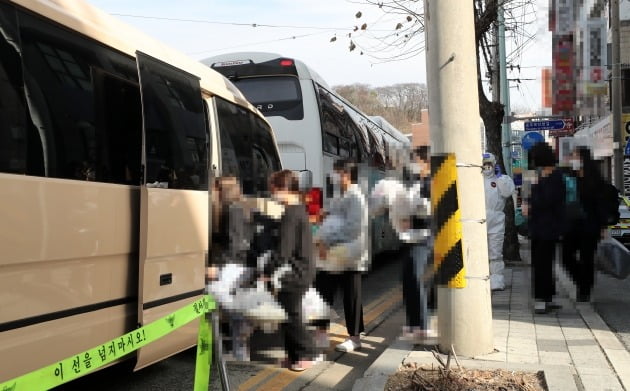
498, 188
585, 221
545, 209
291, 270
342, 249
409, 205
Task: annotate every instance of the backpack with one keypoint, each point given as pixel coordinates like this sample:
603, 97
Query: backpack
609, 204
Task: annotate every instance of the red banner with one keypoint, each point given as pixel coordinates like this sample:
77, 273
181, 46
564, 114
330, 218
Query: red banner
563, 75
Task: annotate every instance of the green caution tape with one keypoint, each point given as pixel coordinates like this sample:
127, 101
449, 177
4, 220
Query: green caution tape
88, 361
204, 355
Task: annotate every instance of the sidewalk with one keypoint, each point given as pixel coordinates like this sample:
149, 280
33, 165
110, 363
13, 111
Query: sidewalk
573, 346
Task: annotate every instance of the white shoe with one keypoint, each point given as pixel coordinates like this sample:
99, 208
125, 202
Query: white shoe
540, 307
349, 345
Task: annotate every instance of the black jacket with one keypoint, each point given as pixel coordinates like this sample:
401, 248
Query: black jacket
294, 248
547, 207
593, 206
232, 243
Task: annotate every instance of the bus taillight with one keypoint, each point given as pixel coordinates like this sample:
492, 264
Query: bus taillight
314, 201
286, 63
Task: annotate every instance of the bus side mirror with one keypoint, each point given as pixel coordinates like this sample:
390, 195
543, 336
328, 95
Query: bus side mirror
305, 179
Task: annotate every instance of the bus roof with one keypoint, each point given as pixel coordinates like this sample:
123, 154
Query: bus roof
84, 18
391, 129
304, 71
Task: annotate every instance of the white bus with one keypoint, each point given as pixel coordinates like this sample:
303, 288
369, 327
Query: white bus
314, 126
108, 141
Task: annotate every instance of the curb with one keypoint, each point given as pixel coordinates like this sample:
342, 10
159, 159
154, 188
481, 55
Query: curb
614, 350
557, 377
376, 376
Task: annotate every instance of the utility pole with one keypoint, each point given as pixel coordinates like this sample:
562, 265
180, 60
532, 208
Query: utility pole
616, 97
506, 127
464, 314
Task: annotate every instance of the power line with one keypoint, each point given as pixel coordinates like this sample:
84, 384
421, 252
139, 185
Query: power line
293, 37
240, 24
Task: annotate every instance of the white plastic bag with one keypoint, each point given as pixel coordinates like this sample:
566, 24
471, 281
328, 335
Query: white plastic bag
228, 279
613, 258
314, 307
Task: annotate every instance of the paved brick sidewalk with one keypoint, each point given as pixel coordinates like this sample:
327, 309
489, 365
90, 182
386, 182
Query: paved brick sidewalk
574, 339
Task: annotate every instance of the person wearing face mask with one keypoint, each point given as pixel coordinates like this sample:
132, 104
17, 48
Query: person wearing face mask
342, 249
584, 222
545, 207
291, 270
497, 189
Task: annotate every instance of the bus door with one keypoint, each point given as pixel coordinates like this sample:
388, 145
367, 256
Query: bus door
174, 210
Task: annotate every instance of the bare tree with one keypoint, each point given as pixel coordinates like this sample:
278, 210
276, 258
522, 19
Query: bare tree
400, 104
405, 39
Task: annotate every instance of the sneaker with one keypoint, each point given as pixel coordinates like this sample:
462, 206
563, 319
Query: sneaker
417, 335
429, 333
540, 307
301, 366
349, 345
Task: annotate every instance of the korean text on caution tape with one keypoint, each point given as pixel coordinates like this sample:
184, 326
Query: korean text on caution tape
88, 361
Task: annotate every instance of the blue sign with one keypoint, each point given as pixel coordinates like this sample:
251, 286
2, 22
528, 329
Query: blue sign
556, 124
530, 139
627, 150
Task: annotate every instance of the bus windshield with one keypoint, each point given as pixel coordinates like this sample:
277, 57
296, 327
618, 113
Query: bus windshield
274, 95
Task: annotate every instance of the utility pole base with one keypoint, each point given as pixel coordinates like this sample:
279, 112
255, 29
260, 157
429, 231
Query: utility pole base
466, 326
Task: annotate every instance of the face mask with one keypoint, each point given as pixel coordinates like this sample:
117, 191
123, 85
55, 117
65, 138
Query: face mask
488, 171
335, 178
415, 168
576, 164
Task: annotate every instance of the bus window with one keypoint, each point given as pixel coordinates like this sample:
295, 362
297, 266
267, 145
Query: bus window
20, 146
175, 127
274, 96
331, 143
74, 127
344, 148
236, 143
266, 159
119, 116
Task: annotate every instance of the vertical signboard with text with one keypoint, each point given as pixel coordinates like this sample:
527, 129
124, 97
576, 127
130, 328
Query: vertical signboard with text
594, 58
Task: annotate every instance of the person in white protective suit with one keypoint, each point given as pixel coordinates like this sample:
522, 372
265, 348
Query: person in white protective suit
498, 188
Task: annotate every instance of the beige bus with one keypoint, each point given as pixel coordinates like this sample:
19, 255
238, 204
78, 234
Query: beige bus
108, 141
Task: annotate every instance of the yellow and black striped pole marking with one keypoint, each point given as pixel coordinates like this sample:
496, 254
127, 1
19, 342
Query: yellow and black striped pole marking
448, 258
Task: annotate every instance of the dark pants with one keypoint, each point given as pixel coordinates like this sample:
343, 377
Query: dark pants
414, 290
543, 253
581, 270
298, 342
327, 285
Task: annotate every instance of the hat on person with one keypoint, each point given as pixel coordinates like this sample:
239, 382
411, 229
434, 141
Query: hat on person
488, 158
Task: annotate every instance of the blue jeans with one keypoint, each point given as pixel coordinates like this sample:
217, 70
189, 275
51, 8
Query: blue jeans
414, 289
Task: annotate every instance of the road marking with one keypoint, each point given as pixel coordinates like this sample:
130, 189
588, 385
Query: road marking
381, 308
282, 378
279, 381
258, 378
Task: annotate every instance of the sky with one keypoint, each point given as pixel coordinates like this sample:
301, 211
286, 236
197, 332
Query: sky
302, 29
